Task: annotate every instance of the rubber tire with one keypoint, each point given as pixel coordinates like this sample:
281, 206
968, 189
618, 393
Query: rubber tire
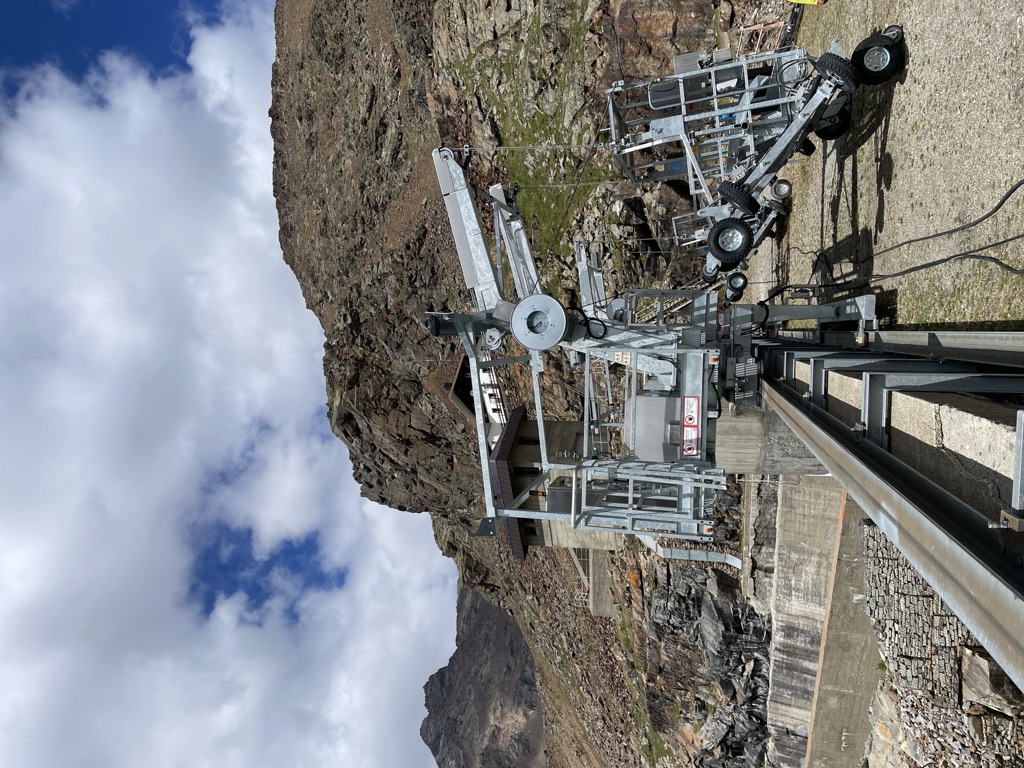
787, 186
897, 60
735, 285
730, 258
831, 64
737, 281
737, 196
709, 276
836, 130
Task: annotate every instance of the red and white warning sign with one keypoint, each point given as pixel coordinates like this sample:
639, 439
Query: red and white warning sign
691, 411
691, 436
691, 425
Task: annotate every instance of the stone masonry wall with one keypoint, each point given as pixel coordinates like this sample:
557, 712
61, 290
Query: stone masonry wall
920, 716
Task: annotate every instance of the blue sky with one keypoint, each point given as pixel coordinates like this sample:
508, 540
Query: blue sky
73, 33
190, 575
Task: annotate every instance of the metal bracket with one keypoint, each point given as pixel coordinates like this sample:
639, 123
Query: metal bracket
1014, 519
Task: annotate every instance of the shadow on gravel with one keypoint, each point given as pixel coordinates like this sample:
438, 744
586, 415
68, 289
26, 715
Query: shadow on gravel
871, 115
844, 265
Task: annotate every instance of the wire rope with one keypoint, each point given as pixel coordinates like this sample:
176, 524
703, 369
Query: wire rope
991, 212
526, 147
972, 254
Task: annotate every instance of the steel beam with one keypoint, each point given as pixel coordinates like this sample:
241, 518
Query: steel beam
512, 231
947, 541
867, 362
874, 409
1017, 498
876, 387
988, 383
477, 267
1000, 347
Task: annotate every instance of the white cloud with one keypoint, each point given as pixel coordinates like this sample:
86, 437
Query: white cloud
158, 369
63, 6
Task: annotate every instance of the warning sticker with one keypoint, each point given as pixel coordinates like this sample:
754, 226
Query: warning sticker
691, 436
691, 411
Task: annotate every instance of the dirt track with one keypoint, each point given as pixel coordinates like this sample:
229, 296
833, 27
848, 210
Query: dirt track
932, 150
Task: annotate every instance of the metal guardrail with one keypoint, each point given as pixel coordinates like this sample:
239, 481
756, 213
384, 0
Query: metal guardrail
946, 540
691, 555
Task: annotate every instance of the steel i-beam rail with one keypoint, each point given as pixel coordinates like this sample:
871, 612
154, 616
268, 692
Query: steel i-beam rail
946, 540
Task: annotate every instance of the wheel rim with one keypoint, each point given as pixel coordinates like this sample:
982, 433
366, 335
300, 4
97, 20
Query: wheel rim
783, 189
877, 59
731, 239
894, 32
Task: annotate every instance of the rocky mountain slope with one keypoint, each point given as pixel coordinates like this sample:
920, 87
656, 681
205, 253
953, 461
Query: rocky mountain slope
363, 90
483, 707
364, 232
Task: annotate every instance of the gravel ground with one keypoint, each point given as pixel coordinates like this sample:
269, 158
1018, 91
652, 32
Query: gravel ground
934, 149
